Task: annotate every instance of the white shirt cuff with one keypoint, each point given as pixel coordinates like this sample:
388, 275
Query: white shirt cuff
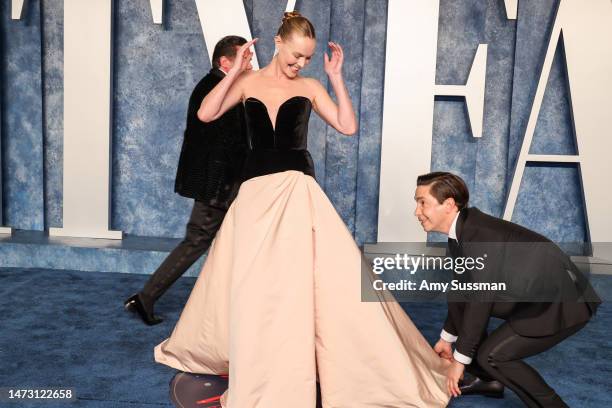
446, 336
465, 360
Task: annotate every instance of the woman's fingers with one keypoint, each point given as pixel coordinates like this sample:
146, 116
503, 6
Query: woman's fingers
246, 58
340, 51
245, 48
333, 47
337, 47
337, 52
333, 60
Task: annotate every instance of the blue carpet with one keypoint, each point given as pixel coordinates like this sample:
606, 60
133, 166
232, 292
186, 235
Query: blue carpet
69, 329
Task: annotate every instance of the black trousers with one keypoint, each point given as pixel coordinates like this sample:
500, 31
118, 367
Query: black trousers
202, 227
500, 356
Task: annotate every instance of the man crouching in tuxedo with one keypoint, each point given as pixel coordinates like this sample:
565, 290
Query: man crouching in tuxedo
531, 325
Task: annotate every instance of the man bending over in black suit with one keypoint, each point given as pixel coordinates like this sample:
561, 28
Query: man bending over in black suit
531, 325
209, 170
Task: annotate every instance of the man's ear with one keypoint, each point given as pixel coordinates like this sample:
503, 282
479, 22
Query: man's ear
450, 204
225, 62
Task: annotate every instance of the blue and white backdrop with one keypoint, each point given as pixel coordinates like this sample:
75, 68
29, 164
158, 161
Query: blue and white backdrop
155, 67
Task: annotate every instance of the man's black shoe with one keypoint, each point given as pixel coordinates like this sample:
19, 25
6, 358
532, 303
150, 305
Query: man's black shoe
492, 389
136, 305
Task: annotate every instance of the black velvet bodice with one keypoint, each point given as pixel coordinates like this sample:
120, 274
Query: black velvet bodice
278, 147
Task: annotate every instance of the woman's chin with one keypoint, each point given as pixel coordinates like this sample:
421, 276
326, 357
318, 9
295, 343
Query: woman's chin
291, 73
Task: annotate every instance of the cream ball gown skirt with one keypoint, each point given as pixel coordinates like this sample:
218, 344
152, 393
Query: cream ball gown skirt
277, 307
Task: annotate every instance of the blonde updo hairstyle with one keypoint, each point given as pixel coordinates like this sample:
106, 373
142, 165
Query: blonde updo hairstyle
295, 23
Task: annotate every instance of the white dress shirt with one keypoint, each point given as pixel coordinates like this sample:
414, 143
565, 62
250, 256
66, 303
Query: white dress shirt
444, 335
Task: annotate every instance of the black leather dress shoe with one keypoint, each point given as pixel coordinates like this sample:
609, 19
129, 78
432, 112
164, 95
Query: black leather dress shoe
136, 305
476, 386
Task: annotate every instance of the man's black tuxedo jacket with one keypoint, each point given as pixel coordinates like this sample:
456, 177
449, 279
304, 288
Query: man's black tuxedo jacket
213, 153
541, 263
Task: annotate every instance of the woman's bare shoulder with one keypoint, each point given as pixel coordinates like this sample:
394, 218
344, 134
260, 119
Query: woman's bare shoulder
310, 81
244, 82
247, 76
313, 85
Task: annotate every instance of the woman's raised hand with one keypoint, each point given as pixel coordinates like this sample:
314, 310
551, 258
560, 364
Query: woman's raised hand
242, 62
333, 66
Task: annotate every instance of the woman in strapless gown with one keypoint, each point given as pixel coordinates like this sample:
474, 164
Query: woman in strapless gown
278, 305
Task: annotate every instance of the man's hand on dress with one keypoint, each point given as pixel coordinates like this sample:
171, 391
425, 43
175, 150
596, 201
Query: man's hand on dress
453, 375
444, 349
